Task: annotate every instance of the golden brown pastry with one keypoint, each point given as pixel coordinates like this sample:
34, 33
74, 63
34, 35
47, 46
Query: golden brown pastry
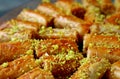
35, 16
113, 19
62, 64
14, 34
49, 9
106, 6
45, 42
37, 73
57, 33
92, 68
55, 46
105, 29
114, 72
72, 22
24, 24
93, 15
107, 41
18, 29
13, 69
111, 54
12, 50
70, 7
60, 56
88, 3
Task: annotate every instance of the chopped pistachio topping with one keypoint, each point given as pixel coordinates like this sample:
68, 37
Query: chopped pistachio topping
84, 60
5, 64
37, 61
35, 43
100, 1
117, 20
55, 47
14, 39
70, 55
45, 1
94, 9
44, 46
68, 12
43, 27
50, 29
29, 52
99, 18
14, 29
60, 56
61, 33
93, 68
42, 30
49, 67
13, 22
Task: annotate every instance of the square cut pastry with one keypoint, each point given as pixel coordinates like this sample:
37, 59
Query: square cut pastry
114, 19
18, 29
58, 33
49, 9
106, 6
105, 29
60, 56
20, 24
13, 34
114, 72
108, 41
111, 54
71, 22
54, 46
35, 16
91, 68
10, 51
37, 73
70, 7
14, 69
102, 46
62, 64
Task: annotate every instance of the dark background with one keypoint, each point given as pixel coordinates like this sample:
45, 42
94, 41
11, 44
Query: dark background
8, 5
11, 8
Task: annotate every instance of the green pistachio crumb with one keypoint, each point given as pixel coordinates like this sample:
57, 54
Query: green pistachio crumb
5, 64
44, 47
42, 30
29, 52
37, 61
99, 18
55, 47
50, 30
70, 55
